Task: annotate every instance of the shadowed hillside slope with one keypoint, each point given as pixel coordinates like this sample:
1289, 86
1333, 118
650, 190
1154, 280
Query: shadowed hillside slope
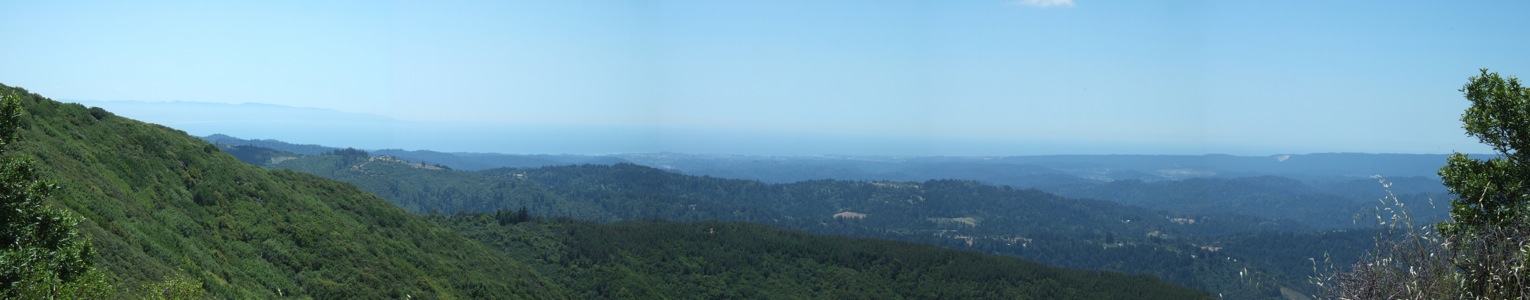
734, 260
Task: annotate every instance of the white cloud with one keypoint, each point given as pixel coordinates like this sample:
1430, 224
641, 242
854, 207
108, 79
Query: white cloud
1043, 3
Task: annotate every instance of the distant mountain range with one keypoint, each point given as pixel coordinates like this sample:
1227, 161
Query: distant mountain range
1321, 190
1246, 220
1015, 172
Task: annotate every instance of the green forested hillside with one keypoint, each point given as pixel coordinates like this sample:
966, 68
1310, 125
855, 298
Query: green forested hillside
732, 260
1057, 231
162, 205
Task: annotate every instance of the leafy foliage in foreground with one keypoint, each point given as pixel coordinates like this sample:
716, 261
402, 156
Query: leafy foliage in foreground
1483, 252
733, 260
42, 255
168, 212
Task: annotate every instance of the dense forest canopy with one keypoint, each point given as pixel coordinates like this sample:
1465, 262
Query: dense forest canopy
733, 260
1058, 231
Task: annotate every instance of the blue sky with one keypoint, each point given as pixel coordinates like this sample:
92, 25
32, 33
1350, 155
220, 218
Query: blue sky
792, 77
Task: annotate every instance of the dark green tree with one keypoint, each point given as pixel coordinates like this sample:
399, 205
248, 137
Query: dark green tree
1489, 215
41, 253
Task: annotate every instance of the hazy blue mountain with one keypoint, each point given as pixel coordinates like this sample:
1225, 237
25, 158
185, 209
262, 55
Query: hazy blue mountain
459, 161
1344, 204
784, 169
1310, 167
482, 161
221, 139
1319, 166
1372, 189
1323, 169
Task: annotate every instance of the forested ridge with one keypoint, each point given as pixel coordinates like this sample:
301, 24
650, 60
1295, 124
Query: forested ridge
1205, 251
1322, 191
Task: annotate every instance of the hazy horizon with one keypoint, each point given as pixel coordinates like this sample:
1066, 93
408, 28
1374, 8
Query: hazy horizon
968, 78
299, 125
